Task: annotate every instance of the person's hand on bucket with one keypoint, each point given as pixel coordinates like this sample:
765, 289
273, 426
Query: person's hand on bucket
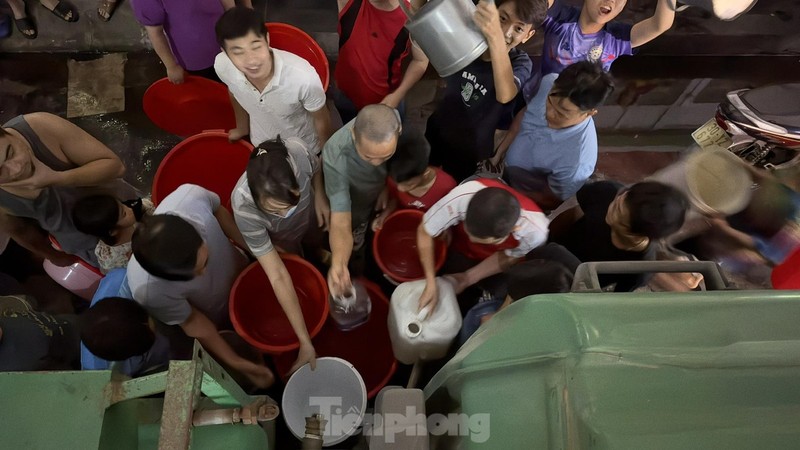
236, 134
176, 74
487, 18
306, 355
339, 280
429, 297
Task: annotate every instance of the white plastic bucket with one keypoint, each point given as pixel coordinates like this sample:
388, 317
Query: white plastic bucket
334, 389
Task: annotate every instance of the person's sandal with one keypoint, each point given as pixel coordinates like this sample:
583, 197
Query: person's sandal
65, 11
106, 9
26, 27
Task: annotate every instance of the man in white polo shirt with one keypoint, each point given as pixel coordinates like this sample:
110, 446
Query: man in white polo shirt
272, 91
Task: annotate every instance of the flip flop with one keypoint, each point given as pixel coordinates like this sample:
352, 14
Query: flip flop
26, 27
108, 7
65, 11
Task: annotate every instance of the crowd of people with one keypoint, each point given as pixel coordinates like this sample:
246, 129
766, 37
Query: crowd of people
312, 190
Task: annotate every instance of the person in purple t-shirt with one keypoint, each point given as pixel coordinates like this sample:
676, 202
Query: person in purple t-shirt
572, 35
182, 33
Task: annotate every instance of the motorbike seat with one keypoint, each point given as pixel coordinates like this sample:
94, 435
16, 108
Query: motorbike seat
778, 104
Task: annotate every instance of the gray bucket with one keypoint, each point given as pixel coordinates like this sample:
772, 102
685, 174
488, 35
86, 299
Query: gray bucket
444, 30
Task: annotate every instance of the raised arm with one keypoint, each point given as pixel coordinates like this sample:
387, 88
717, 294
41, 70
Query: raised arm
284, 291
649, 29
488, 20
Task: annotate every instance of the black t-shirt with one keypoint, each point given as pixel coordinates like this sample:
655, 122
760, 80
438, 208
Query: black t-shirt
461, 130
590, 237
36, 341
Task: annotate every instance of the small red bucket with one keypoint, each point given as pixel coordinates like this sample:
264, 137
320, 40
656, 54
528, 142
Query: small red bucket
189, 108
367, 347
258, 317
395, 247
206, 159
294, 40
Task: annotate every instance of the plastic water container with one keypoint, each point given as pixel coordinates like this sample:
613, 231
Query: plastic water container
79, 278
352, 309
415, 338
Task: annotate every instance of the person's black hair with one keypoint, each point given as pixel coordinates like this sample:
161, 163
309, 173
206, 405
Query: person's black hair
538, 276
166, 246
97, 215
116, 329
656, 210
270, 175
377, 123
411, 157
492, 213
585, 84
532, 12
238, 22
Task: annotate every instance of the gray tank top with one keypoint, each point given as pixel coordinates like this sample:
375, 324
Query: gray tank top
52, 209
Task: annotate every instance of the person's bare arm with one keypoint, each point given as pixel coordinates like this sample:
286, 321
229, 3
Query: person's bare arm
427, 258
229, 227
649, 29
488, 20
414, 72
287, 297
96, 163
341, 241
513, 131
201, 328
322, 124
322, 207
31, 237
342, 4
492, 265
242, 121
175, 72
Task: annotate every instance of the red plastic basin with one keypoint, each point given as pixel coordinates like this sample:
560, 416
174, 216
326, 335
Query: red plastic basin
189, 108
206, 159
294, 40
258, 317
367, 347
395, 247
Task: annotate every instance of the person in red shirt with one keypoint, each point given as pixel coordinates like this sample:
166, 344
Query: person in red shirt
491, 226
412, 183
373, 45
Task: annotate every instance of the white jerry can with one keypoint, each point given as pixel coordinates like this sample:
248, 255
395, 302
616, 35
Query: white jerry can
415, 338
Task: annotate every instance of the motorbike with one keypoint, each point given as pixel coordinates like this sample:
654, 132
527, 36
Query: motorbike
761, 126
